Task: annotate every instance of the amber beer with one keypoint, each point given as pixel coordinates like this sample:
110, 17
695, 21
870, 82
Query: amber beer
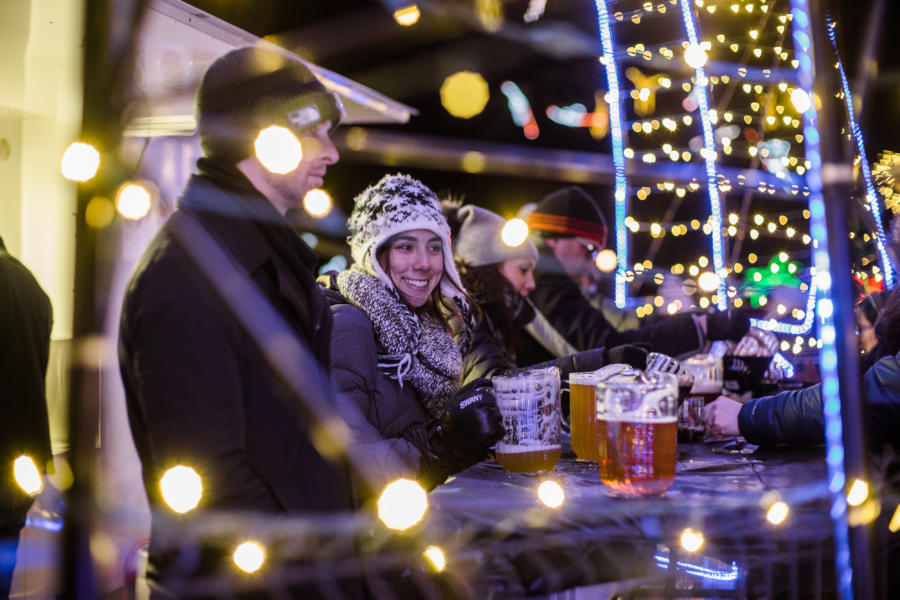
637, 430
582, 415
637, 457
527, 459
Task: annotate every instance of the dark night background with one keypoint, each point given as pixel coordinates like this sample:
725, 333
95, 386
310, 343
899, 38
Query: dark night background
361, 40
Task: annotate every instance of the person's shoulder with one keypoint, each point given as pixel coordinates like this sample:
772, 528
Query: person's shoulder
348, 317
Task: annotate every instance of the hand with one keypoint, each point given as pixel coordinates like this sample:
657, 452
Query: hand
634, 355
472, 421
727, 325
720, 417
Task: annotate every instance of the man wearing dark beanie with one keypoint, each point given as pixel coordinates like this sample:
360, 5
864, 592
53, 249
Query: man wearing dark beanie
570, 230
225, 286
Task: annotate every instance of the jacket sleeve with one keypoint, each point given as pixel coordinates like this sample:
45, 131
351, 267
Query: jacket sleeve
793, 417
585, 327
181, 361
797, 417
353, 365
486, 356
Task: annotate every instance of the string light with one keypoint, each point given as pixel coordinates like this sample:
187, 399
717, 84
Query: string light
821, 260
618, 147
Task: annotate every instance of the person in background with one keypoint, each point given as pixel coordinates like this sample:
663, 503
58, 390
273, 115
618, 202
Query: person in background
796, 417
499, 277
394, 361
867, 312
26, 318
570, 229
201, 387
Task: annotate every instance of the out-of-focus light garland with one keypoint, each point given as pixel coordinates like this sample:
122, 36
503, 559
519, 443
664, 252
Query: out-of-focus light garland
883, 171
828, 353
694, 569
709, 156
520, 109
871, 194
618, 147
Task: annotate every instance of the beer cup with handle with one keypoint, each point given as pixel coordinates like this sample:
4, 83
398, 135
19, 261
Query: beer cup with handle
529, 404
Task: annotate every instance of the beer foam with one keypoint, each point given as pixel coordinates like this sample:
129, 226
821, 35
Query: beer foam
705, 386
631, 418
523, 447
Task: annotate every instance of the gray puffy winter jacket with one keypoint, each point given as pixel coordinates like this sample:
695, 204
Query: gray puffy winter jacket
375, 407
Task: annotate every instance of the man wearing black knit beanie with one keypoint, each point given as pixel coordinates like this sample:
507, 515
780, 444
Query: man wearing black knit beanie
570, 229
222, 300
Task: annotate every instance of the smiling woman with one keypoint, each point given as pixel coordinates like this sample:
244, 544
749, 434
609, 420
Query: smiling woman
393, 358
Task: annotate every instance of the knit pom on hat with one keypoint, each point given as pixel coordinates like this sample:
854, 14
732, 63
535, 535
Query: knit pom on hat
249, 89
570, 212
479, 240
395, 204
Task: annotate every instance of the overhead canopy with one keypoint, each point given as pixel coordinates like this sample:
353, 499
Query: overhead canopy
176, 45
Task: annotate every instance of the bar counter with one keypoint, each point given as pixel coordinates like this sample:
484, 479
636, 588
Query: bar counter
513, 545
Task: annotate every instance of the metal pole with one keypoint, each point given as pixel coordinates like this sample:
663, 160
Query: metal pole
837, 177
108, 43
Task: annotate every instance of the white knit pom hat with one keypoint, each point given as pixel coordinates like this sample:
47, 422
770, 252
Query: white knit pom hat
395, 204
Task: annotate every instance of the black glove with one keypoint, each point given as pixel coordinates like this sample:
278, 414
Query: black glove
634, 355
469, 426
727, 325
472, 422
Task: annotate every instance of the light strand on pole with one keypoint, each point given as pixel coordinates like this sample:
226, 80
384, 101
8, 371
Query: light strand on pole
709, 157
618, 148
828, 353
871, 194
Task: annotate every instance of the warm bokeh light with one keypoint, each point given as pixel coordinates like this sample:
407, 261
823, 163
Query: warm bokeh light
691, 540
464, 94
858, 493
317, 202
80, 162
27, 475
408, 15
695, 56
606, 260
551, 494
133, 201
894, 525
800, 100
436, 557
514, 232
402, 504
99, 212
708, 281
181, 488
278, 149
777, 513
249, 556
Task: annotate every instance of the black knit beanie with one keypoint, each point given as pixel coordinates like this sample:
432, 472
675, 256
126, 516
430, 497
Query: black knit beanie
569, 212
249, 89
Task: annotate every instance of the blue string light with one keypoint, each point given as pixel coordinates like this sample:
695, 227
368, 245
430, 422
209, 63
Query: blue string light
871, 194
792, 328
705, 572
709, 156
617, 138
828, 353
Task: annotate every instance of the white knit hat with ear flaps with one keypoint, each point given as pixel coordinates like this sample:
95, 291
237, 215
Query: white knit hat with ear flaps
395, 204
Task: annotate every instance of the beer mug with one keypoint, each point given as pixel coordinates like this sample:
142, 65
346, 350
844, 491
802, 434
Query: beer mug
707, 372
529, 404
637, 424
582, 407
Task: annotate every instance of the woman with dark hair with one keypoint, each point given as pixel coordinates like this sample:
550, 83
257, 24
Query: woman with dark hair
499, 276
394, 361
868, 313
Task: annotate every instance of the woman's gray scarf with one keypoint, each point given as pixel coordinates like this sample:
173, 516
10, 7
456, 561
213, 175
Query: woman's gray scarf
413, 348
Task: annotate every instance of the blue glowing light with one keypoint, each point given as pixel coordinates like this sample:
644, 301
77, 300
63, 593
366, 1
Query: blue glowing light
793, 328
618, 148
520, 109
709, 156
871, 193
830, 387
699, 570
784, 364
